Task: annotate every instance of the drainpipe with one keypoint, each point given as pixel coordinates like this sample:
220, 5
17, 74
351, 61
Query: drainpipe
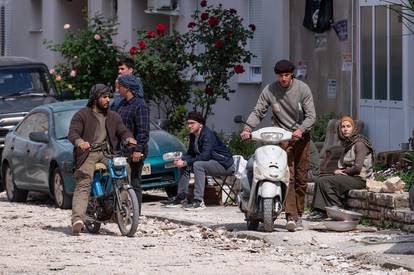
352, 59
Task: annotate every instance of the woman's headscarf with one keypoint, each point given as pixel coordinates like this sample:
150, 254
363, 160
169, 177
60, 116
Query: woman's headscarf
348, 142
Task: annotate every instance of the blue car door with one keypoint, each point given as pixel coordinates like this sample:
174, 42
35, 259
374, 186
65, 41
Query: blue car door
19, 150
37, 158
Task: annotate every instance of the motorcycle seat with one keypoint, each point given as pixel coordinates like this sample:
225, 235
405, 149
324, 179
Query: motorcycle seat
100, 166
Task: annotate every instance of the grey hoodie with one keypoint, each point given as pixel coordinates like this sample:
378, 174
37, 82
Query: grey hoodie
286, 104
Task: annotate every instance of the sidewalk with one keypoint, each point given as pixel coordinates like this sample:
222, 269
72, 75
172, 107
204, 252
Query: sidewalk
390, 249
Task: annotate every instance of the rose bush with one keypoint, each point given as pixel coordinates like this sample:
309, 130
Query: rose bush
222, 37
160, 62
90, 56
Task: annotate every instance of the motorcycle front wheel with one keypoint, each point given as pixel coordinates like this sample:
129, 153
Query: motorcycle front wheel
127, 217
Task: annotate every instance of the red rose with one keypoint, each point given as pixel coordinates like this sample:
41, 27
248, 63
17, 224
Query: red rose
191, 25
203, 3
219, 44
151, 34
141, 44
208, 90
161, 28
133, 51
233, 11
213, 21
238, 69
252, 27
204, 16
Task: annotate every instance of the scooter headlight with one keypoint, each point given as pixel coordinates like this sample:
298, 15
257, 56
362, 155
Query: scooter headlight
120, 162
271, 136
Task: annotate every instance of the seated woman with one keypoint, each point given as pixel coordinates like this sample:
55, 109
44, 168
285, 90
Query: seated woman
354, 168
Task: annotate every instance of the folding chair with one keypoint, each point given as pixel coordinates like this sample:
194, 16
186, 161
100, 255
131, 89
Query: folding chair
227, 185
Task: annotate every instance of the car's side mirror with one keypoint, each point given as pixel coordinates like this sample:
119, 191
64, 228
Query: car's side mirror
162, 123
39, 137
238, 119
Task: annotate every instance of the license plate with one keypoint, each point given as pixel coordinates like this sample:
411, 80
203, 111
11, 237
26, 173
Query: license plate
169, 165
146, 169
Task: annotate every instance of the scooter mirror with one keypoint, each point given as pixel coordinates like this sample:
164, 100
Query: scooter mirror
238, 119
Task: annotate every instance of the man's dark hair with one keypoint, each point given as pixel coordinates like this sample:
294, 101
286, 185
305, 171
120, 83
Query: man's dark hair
284, 66
129, 62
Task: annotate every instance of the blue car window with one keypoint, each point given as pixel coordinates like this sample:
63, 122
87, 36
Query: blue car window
62, 121
35, 122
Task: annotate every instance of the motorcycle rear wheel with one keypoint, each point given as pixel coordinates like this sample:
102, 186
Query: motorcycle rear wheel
92, 227
268, 214
127, 217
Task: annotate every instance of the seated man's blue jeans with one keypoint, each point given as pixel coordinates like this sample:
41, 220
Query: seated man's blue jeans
201, 169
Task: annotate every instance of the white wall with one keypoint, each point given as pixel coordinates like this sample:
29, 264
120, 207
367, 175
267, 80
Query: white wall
28, 41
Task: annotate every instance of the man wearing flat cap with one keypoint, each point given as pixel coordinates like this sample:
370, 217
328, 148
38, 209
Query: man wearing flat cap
92, 124
207, 155
134, 112
292, 107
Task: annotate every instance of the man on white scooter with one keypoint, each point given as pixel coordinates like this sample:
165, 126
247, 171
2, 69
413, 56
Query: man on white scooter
289, 97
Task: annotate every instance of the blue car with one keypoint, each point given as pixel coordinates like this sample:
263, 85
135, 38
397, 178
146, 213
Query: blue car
37, 156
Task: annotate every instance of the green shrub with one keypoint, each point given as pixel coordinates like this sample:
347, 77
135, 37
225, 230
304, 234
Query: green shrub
318, 132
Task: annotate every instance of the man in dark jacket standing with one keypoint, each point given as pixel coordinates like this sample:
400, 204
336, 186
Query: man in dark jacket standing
92, 124
206, 155
135, 114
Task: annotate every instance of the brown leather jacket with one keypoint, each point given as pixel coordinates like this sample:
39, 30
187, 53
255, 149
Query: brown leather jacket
83, 126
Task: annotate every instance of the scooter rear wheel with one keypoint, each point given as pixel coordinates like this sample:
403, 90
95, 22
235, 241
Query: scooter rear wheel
252, 224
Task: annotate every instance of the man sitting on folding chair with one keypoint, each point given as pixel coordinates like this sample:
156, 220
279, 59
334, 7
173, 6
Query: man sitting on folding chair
207, 155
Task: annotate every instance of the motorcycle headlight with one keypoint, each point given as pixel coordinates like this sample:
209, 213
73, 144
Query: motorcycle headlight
170, 156
120, 162
271, 136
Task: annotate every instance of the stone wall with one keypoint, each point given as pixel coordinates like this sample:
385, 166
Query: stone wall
379, 207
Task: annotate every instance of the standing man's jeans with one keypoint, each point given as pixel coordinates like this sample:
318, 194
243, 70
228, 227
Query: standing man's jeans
200, 169
298, 162
136, 171
83, 177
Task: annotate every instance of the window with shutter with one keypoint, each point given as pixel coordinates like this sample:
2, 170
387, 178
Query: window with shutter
255, 9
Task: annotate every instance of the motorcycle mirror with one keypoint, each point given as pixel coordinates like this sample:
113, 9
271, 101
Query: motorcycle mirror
238, 119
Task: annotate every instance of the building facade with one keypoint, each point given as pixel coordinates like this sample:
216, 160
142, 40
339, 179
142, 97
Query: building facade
358, 66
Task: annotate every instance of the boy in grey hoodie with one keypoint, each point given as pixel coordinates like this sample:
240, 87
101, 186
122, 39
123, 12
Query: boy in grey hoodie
289, 97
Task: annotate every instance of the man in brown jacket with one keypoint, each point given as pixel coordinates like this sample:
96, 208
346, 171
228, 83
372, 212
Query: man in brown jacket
93, 124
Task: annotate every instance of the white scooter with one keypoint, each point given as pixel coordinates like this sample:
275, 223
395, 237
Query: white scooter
263, 193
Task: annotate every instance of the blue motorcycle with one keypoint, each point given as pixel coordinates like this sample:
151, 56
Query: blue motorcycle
112, 197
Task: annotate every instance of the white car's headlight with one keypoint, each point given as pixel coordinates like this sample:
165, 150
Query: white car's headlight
120, 162
170, 156
271, 136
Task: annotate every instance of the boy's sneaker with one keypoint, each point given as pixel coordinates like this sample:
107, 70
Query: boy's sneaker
299, 224
195, 206
291, 225
177, 202
77, 227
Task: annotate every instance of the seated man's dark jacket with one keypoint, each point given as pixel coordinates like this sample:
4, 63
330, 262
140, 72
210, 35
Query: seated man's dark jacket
210, 148
83, 126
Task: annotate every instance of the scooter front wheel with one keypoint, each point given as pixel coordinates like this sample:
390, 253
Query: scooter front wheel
268, 214
127, 212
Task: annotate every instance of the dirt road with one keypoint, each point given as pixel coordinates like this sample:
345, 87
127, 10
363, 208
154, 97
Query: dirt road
35, 238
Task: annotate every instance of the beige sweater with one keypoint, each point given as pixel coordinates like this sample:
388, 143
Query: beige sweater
286, 104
